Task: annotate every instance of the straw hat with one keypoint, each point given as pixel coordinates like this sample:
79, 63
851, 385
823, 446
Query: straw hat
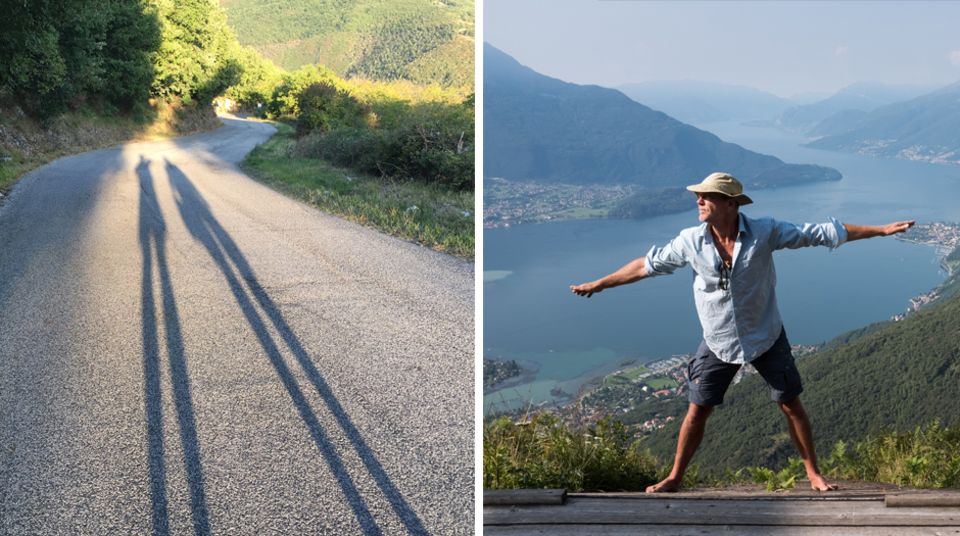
722, 183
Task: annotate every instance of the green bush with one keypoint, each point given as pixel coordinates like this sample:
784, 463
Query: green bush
433, 143
355, 148
927, 457
325, 107
285, 99
429, 142
544, 453
783, 479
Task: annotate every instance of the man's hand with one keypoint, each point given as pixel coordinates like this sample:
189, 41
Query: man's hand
634, 270
897, 227
587, 289
858, 232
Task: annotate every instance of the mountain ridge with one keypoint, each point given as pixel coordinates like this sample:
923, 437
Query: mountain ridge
544, 129
923, 128
703, 102
859, 97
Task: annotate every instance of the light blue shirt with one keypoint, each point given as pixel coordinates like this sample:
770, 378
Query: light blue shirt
743, 322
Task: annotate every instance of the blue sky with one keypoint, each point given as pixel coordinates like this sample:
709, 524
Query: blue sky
786, 48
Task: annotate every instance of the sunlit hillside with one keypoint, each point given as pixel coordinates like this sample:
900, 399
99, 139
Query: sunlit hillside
424, 41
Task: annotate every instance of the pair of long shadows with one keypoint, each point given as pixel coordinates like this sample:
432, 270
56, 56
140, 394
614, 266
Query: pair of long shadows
249, 293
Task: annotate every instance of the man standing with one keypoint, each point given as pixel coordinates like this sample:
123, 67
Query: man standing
732, 259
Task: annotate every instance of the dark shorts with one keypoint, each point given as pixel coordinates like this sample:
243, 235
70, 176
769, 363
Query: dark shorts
708, 377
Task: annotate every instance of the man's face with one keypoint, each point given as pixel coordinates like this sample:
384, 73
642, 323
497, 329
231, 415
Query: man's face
714, 207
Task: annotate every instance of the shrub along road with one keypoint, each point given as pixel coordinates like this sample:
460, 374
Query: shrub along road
183, 350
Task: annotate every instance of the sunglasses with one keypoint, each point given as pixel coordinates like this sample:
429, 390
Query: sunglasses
712, 196
724, 283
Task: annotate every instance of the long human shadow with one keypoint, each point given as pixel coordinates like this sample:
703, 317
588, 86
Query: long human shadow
152, 246
246, 288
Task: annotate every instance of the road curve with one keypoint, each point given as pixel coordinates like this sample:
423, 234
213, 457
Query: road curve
185, 351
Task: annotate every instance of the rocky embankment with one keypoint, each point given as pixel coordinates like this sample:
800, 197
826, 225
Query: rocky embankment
26, 143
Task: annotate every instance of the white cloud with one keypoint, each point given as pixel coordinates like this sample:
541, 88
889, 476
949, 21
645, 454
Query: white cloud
955, 57
841, 51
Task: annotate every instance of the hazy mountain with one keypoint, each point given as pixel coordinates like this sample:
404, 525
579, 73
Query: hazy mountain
863, 96
838, 123
924, 128
705, 102
893, 375
424, 41
808, 97
543, 129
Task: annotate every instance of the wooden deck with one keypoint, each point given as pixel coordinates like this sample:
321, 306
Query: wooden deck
855, 509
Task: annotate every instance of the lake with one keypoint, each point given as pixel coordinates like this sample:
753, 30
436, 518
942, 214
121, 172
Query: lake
530, 315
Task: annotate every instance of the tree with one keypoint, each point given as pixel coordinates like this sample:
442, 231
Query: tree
324, 107
257, 80
133, 36
285, 98
33, 70
198, 55
60, 54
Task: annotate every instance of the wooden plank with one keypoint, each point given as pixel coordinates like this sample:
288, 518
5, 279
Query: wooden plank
701, 530
849, 489
523, 496
739, 496
580, 510
918, 500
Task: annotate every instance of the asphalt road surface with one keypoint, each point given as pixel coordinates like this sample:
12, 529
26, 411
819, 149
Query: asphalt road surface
185, 351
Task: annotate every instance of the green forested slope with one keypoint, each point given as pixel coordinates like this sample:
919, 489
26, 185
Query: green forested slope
418, 40
888, 376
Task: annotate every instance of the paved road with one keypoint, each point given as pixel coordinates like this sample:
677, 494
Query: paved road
184, 351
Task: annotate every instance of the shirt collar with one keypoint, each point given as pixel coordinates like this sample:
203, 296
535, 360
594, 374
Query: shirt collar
744, 228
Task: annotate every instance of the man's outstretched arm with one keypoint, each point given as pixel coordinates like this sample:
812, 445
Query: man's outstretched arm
857, 232
631, 272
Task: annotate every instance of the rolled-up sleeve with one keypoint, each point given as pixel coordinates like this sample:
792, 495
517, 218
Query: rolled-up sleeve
789, 235
664, 260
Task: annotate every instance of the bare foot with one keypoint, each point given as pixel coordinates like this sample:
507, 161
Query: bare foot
818, 483
666, 486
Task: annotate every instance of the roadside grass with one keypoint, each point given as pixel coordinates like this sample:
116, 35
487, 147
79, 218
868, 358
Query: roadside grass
14, 164
432, 216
